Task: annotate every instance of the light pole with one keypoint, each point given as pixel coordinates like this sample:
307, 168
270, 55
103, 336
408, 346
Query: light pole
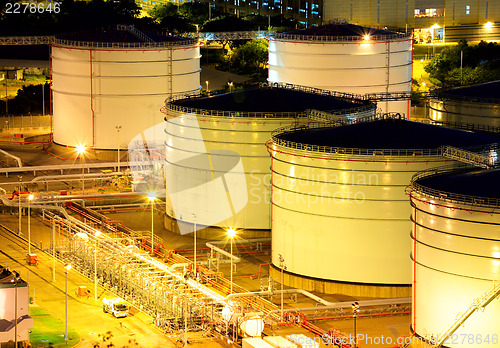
152, 197
230, 84
20, 177
118, 131
97, 233
81, 151
53, 250
67, 268
282, 267
195, 268
30, 197
231, 233
355, 310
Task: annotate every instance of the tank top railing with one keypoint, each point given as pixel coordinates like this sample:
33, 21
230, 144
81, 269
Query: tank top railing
365, 107
328, 38
447, 196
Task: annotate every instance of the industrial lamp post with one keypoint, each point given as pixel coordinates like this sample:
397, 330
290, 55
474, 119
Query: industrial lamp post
81, 151
20, 177
118, 131
30, 197
231, 233
195, 264
67, 268
282, 267
152, 197
355, 310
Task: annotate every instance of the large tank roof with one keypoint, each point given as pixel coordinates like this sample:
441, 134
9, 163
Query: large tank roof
483, 91
474, 182
120, 36
271, 99
341, 32
387, 134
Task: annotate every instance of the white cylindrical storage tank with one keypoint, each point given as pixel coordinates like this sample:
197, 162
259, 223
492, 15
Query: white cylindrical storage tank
346, 58
456, 255
107, 79
340, 215
217, 165
478, 104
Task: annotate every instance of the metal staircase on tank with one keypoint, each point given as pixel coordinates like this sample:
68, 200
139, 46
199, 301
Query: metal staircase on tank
478, 303
468, 157
134, 31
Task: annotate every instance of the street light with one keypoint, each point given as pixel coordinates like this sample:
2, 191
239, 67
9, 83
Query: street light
118, 131
355, 310
96, 234
67, 268
152, 197
20, 177
231, 233
230, 84
195, 268
81, 151
207, 85
30, 197
282, 267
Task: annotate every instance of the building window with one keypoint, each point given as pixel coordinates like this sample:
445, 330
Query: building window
467, 9
429, 12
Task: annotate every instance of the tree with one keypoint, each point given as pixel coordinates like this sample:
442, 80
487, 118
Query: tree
464, 64
251, 59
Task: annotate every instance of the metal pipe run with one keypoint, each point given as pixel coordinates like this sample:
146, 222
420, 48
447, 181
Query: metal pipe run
223, 252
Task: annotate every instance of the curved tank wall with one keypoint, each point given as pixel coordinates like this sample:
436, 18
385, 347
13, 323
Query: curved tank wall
380, 64
340, 214
456, 254
96, 89
218, 167
478, 104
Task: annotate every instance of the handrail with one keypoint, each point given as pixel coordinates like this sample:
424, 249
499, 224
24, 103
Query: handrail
331, 38
364, 104
447, 196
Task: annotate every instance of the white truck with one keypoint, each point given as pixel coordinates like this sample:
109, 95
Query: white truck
116, 306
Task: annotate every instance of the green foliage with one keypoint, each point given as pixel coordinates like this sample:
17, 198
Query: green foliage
480, 63
250, 59
28, 101
227, 23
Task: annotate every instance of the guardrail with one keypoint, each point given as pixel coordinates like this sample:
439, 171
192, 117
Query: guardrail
364, 105
331, 38
447, 196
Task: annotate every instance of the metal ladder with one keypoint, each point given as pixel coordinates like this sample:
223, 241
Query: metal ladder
476, 304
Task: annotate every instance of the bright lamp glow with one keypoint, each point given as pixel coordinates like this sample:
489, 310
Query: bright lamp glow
435, 26
68, 267
366, 37
80, 149
231, 233
30, 197
488, 25
151, 196
82, 235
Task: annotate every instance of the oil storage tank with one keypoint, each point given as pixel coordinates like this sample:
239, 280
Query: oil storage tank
217, 166
456, 255
478, 104
340, 215
347, 58
118, 77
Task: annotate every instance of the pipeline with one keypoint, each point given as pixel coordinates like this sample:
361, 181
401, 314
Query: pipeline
17, 159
